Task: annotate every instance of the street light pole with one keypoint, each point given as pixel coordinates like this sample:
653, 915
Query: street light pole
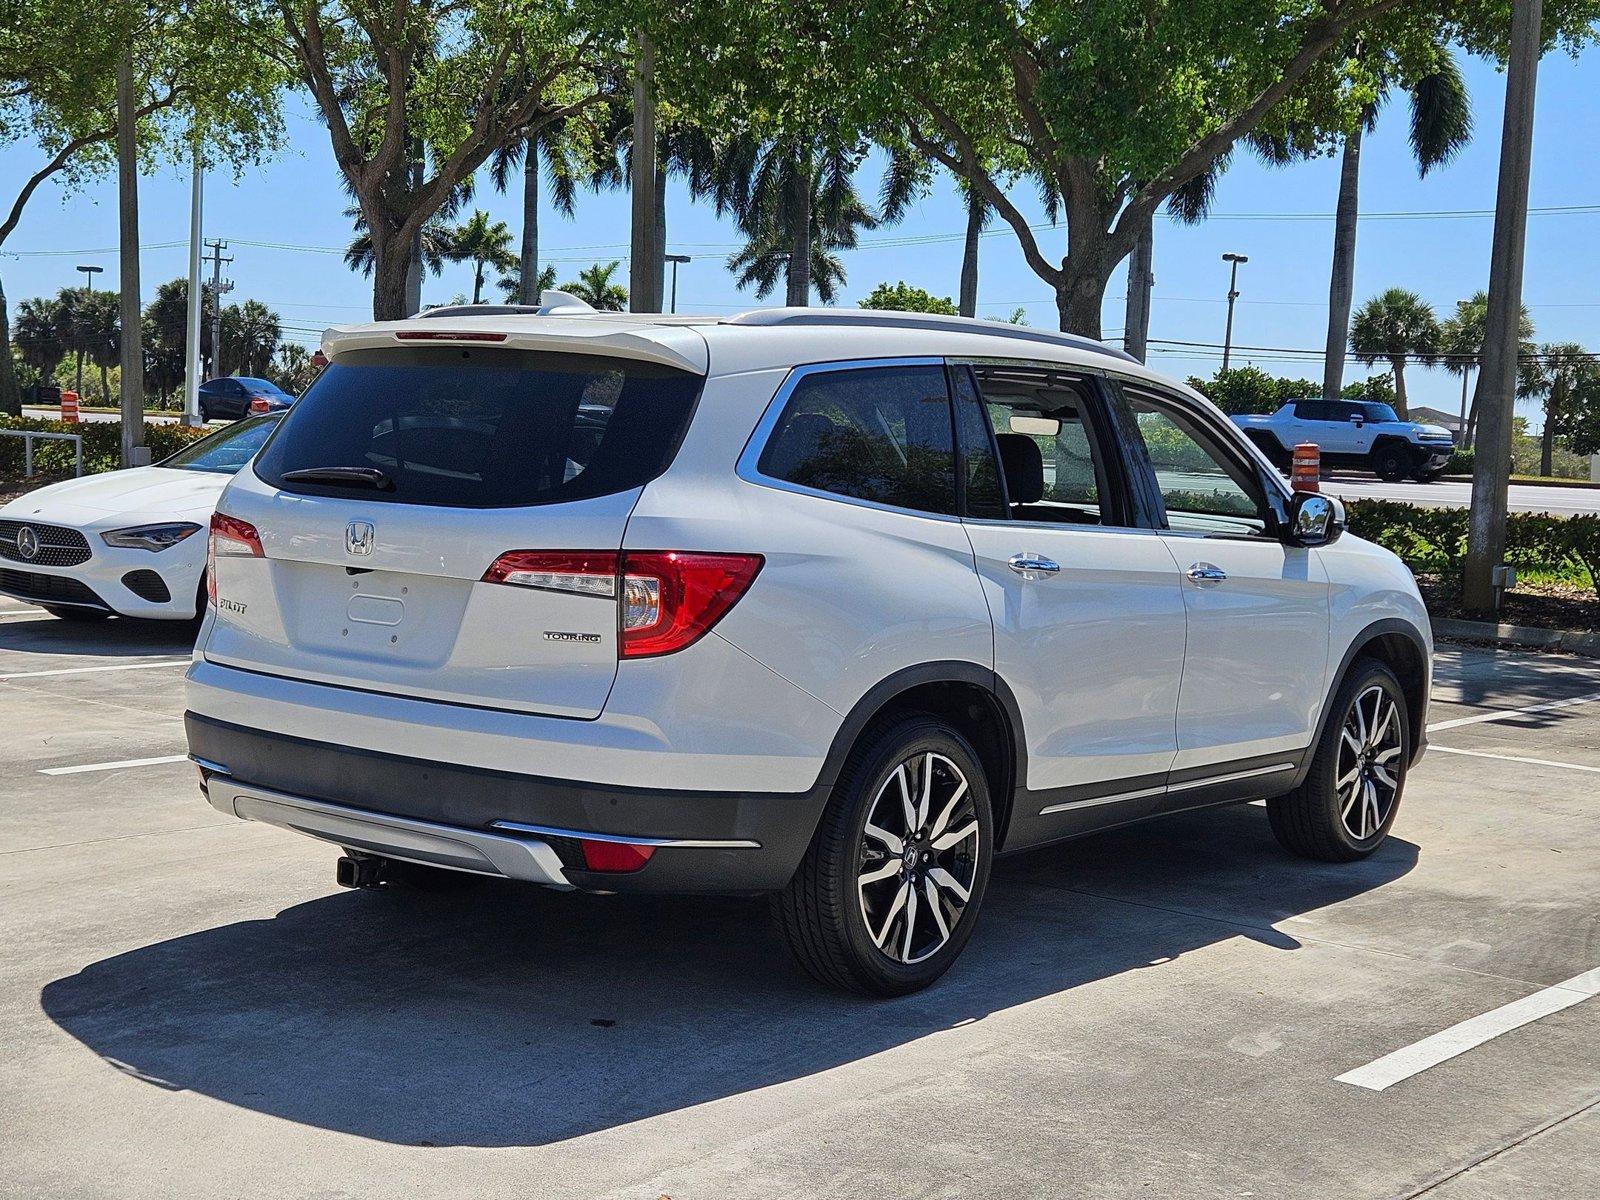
1233, 294
88, 286
191, 330
675, 259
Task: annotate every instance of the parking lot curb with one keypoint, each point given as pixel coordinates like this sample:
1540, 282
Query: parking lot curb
1569, 641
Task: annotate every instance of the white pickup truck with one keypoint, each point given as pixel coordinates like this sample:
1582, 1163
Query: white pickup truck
1352, 433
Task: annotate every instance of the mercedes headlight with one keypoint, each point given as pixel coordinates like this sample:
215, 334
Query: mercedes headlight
150, 537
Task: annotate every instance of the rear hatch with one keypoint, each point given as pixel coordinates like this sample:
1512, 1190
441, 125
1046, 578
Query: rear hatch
361, 548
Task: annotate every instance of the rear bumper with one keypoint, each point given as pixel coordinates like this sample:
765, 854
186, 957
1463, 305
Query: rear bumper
501, 823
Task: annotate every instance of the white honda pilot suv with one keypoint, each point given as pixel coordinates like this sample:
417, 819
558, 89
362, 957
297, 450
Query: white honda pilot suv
834, 606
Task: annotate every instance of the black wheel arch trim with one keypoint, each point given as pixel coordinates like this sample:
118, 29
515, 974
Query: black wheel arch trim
1369, 634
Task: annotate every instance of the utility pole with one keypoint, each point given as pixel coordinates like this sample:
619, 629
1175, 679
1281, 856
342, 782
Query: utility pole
219, 287
1141, 280
134, 453
191, 338
1233, 294
644, 263
675, 259
1497, 378
88, 287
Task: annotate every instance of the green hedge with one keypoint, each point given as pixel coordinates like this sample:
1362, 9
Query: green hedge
102, 445
1434, 540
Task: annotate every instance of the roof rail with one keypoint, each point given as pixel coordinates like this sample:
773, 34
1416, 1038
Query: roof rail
868, 318
551, 303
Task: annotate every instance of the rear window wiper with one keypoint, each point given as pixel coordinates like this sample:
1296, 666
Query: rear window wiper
342, 477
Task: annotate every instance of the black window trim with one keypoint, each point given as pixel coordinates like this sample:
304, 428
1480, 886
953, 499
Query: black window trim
1229, 439
954, 370
748, 468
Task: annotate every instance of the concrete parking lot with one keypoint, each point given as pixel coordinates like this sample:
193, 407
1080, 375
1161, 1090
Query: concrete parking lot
191, 1007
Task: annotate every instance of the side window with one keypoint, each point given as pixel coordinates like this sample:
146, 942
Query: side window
1205, 487
982, 479
876, 433
1048, 453
1314, 410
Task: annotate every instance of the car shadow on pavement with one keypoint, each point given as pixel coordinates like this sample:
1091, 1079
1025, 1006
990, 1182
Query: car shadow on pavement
512, 1016
113, 638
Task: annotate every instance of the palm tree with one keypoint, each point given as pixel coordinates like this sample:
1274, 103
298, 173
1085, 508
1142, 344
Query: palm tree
39, 335
250, 337
485, 244
99, 333
510, 284
1394, 326
1441, 124
552, 152
1461, 351
594, 287
438, 242
1561, 373
795, 201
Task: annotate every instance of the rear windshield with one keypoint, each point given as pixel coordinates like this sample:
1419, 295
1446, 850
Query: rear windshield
483, 428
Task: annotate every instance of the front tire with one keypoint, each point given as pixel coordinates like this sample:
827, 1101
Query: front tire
1344, 808
1390, 463
889, 890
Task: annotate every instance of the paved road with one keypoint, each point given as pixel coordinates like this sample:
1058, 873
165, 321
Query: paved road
192, 1008
1524, 497
54, 414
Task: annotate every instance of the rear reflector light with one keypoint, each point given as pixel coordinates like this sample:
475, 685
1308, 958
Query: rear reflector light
260, 404
448, 335
614, 857
230, 538
668, 599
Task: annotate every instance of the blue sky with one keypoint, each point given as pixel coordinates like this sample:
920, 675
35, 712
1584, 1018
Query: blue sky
1279, 217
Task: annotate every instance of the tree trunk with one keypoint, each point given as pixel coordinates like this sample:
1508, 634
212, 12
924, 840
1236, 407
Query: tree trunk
391, 257
1554, 403
661, 235
799, 222
1136, 322
969, 255
105, 385
477, 281
644, 262
528, 282
1399, 365
1341, 285
1078, 302
10, 394
132, 355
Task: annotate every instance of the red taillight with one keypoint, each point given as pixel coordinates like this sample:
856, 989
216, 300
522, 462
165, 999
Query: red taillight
615, 857
230, 538
260, 404
447, 335
669, 599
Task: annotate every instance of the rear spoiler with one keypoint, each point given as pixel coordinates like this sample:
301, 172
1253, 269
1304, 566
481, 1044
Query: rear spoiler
676, 346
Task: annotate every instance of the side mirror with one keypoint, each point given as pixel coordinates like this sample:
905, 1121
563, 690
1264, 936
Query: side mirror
1314, 520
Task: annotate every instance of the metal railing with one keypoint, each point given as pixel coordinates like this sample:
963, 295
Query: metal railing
27, 436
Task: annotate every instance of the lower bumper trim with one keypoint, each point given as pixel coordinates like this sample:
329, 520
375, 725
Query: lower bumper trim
472, 850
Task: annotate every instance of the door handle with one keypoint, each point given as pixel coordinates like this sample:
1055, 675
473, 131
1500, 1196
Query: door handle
1026, 564
1203, 572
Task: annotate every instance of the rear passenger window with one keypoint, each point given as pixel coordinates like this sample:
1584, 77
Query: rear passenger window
874, 433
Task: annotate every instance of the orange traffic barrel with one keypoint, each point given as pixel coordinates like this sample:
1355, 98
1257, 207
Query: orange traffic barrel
69, 406
1305, 468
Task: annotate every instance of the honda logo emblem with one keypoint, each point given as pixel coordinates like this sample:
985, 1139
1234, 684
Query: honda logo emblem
358, 537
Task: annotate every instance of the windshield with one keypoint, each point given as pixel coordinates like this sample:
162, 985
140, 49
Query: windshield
481, 428
225, 451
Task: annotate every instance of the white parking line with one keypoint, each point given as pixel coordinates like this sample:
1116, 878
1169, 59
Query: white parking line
138, 666
1505, 714
1458, 1039
1532, 762
114, 766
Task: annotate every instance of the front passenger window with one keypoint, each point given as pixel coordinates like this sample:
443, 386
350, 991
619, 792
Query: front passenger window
1205, 488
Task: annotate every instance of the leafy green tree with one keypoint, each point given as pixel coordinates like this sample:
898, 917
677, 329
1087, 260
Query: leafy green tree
251, 333
1251, 390
200, 78
438, 242
424, 83
484, 243
1567, 378
594, 286
41, 338
1395, 326
1461, 351
98, 334
902, 297
510, 284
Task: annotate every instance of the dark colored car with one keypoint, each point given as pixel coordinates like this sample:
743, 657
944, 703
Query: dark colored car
240, 395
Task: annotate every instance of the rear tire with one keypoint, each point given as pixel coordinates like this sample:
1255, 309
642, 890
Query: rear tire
889, 890
1351, 793
78, 614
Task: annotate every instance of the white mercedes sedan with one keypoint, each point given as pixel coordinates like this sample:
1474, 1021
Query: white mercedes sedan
129, 543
